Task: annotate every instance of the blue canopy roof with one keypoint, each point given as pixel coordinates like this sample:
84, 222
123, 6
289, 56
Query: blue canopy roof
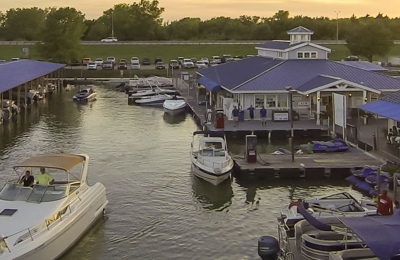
18, 72
209, 84
383, 108
380, 233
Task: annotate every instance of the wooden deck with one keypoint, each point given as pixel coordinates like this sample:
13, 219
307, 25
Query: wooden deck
335, 165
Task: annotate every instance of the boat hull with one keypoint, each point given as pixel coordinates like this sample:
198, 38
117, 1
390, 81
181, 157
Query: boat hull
85, 98
209, 176
55, 241
175, 111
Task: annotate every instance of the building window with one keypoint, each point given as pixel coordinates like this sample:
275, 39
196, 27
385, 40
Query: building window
282, 101
280, 54
304, 37
313, 55
299, 55
271, 100
306, 55
259, 100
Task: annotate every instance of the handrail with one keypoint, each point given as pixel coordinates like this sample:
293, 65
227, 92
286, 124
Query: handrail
213, 164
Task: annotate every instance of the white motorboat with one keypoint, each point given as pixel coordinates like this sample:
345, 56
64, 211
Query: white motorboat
155, 100
339, 204
210, 158
86, 93
152, 92
174, 106
44, 221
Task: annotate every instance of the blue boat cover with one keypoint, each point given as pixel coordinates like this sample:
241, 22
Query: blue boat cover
336, 145
380, 233
313, 221
383, 108
209, 84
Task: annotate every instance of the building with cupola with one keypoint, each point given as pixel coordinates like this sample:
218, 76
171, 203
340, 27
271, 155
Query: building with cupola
301, 66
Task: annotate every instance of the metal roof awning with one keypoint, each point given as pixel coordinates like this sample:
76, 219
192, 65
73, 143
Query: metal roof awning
209, 84
383, 108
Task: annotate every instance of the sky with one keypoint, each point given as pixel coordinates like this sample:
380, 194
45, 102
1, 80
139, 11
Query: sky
206, 9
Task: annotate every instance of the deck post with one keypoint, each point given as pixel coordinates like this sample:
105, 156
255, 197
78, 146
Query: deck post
318, 107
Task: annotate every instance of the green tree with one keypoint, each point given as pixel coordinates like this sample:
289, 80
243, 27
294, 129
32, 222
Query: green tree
368, 39
61, 36
23, 24
184, 29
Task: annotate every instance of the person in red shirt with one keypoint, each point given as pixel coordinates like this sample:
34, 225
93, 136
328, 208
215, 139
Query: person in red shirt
385, 204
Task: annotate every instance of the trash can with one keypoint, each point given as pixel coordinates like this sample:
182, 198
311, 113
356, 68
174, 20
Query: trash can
219, 119
241, 116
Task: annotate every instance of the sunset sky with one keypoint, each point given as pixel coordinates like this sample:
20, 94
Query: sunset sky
206, 9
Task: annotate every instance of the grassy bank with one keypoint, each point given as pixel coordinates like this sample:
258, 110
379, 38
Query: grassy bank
168, 52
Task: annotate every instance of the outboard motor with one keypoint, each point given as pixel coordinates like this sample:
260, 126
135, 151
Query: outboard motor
268, 248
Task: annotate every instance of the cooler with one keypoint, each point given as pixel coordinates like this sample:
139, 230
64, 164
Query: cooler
219, 119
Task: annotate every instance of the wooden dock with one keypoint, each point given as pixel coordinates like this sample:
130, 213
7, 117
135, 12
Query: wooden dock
316, 165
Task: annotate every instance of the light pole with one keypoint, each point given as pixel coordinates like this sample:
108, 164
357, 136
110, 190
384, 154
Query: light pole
112, 23
337, 26
291, 90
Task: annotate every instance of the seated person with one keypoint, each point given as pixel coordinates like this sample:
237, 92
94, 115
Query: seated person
27, 179
44, 178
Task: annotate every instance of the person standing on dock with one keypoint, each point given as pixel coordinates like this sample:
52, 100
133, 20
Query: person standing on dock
235, 114
251, 112
385, 204
263, 115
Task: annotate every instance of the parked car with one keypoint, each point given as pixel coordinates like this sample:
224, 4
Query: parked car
157, 60
180, 60
215, 60
110, 39
91, 66
146, 61
122, 65
352, 58
227, 58
14, 59
98, 61
194, 60
122, 60
205, 60
135, 64
86, 61
134, 60
187, 64
74, 63
237, 57
108, 65
160, 65
112, 59
201, 64
173, 64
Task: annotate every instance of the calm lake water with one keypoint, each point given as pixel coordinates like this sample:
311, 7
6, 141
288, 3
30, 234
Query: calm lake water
157, 208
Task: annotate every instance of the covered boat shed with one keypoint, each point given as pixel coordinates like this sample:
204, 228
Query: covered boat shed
23, 75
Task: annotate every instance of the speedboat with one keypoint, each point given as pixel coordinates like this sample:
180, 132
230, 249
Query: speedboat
174, 106
337, 204
152, 100
86, 93
210, 158
44, 221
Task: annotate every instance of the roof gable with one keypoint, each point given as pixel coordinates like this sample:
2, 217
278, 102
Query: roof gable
300, 29
18, 72
315, 82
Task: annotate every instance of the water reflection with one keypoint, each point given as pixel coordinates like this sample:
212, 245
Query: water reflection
174, 119
212, 197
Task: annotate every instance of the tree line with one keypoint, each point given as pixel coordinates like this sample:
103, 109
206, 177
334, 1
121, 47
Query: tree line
61, 30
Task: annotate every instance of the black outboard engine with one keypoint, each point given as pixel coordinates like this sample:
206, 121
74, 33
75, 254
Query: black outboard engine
268, 248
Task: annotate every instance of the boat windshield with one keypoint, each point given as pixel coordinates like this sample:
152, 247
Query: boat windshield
39, 193
213, 149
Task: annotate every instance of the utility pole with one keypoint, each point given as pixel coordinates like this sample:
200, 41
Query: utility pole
112, 23
337, 26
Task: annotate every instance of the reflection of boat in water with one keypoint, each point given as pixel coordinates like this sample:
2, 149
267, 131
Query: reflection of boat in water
210, 196
174, 119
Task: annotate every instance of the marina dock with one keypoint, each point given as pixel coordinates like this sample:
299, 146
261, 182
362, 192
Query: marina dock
316, 165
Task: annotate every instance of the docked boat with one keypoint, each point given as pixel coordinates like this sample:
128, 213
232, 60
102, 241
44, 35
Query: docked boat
210, 158
337, 204
86, 93
156, 100
44, 221
152, 92
336, 238
336, 145
174, 106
